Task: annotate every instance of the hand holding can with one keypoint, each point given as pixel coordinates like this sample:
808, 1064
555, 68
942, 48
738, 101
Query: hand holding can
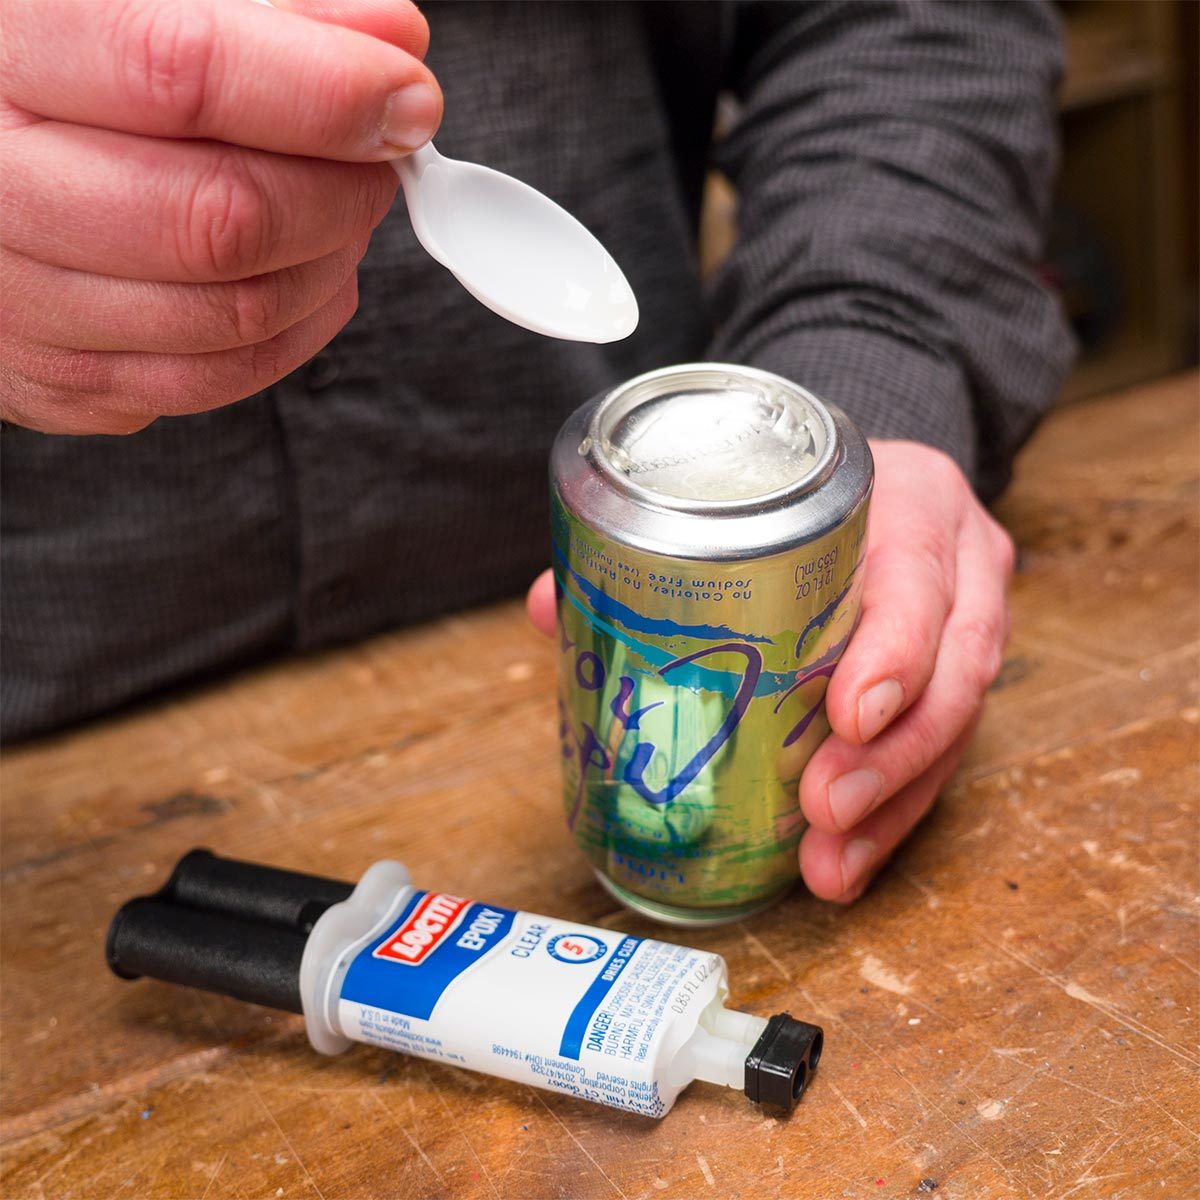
909, 690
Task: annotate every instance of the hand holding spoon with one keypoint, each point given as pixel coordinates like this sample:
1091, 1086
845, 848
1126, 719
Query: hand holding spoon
515, 250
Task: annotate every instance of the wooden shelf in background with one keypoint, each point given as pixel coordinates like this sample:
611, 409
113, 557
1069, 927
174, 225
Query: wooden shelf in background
1112, 53
1122, 175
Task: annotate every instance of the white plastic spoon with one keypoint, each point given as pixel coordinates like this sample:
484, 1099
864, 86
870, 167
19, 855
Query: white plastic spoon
515, 250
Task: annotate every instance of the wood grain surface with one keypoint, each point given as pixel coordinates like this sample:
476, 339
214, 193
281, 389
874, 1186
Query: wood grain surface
1010, 1011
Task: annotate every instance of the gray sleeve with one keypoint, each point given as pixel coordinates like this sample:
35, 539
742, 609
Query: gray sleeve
894, 163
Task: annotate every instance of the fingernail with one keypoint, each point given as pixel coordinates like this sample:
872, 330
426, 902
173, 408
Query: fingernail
411, 116
857, 858
852, 795
877, 706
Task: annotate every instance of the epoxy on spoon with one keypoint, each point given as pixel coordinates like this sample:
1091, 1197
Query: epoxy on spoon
515, 250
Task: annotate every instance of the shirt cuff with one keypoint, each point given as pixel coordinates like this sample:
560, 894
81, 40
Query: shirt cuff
890, 388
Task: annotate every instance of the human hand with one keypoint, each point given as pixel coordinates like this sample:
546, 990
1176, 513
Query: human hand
909, 689
187, 187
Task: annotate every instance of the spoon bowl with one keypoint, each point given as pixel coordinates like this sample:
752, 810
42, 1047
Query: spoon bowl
515, 250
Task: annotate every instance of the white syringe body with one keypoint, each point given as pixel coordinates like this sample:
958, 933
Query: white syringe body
619, 1020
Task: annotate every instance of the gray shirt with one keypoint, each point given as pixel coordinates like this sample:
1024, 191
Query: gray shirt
893, 162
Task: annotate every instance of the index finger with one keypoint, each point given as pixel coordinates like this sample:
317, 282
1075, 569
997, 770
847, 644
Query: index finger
227, 70
907, 594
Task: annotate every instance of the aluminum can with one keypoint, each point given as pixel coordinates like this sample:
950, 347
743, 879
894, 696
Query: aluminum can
709, 529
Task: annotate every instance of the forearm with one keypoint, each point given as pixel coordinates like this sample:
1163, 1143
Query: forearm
894, 164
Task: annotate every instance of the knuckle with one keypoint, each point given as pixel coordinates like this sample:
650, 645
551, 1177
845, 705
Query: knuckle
903, 569
331, 319
814, 796
982, 643
370, 188
193, 383
274, 359
943, 470
227, 225
902, 649
926, 593
912, 662
1005, 549
932, 545
924, 741
265, 363
74, 374
164, 55
255, 309
937, 468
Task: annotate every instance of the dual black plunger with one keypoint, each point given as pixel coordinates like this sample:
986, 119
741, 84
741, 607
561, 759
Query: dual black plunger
226, 926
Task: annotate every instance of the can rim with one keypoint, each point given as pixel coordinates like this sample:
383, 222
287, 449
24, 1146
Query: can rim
639, 390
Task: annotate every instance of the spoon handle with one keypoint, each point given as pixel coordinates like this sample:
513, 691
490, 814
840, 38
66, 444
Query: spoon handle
413, 166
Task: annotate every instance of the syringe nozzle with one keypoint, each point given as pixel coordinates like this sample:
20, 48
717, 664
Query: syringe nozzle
782, 1062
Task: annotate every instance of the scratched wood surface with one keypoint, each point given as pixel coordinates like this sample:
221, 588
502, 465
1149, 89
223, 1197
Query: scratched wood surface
1011, 1011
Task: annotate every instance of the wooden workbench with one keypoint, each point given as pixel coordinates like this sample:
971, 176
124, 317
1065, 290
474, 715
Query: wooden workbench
1010, 1011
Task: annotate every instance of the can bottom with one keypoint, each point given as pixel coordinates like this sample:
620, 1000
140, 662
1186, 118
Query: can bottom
688, 918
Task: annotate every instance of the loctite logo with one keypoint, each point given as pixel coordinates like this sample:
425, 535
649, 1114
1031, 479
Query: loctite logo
428, 924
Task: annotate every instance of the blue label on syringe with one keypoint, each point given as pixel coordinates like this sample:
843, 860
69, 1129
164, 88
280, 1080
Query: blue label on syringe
530, 998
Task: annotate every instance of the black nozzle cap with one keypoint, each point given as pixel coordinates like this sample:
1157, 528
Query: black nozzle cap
268, 895
207, 950
782, 1062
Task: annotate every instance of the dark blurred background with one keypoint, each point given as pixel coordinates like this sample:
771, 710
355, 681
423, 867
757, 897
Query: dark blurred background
1123, 247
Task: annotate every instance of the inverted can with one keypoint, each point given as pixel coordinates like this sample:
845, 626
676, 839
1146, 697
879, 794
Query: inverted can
709, 528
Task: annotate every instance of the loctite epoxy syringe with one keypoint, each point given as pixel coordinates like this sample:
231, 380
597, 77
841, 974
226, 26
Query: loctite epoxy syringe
601, 1015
